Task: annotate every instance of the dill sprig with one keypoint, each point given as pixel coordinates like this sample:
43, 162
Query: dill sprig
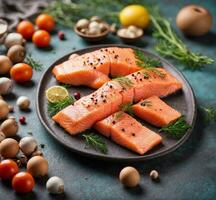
169, 44
33, 63
65, 85
55, 107
124, 81
95, 141
146, 103
210, 114
148, 63
126, 107
177, 128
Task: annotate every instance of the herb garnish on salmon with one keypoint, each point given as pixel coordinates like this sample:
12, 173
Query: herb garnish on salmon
55, 107
177, 128
148, 63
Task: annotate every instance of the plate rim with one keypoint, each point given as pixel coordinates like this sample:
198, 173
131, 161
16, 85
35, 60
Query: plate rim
100, 156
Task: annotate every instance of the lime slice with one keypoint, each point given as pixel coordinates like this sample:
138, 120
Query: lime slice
56, 93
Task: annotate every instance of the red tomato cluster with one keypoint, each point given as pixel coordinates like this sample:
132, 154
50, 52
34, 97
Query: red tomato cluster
41, 38
22, 182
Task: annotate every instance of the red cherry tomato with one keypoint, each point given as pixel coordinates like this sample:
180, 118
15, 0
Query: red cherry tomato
8, 168
26, 29
45, 22
23, 182
41, 38
21, 72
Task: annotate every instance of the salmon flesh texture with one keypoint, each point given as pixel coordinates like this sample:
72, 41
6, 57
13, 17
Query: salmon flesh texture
128, 132
155, 111
92, 69
108, 98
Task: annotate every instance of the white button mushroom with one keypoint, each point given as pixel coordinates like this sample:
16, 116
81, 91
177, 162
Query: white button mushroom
9, 127
13, 39
4, 109
55, 185
94, 25
154, 175
82, 23
28, 145
95, 18
5, 64
129, 177
6, 85
132, 29
23, 102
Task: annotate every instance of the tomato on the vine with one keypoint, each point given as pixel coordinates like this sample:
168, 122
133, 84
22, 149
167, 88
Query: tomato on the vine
8, 168
23, 182
26, 29
41, 38
21, 72
45, 22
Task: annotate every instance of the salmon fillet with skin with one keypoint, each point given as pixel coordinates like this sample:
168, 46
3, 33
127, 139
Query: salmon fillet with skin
112, 61
108, 99
128, 132
155, 111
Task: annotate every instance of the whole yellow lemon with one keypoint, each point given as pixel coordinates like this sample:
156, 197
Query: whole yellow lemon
136, 15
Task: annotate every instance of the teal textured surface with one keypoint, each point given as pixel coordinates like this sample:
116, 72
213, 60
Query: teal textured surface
187, 173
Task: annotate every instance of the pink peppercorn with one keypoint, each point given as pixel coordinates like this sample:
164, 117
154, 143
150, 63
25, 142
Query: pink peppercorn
22, 120
77, 95
61, 35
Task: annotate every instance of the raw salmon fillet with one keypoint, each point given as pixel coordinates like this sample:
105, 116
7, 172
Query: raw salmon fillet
78, 75
155, 111
108, 98
112, 61
128, 132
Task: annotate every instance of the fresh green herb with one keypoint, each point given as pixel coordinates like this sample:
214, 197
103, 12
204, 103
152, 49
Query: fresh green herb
146, 103
34, 64
169, 44
127, 107
144, 61
210, 113
177, 128
55, 107
148, 63
124, 81
65, 85
96, 142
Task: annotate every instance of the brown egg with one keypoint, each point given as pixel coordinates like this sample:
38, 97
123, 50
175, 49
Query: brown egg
37, 166
129, 177
9, 148
194, 20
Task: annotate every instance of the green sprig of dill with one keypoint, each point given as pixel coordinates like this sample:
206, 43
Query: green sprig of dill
169, 44
55, 107
124, 81
33, 63
210, 114
148, 63
65, 85
177, 128
95, 141
126, 107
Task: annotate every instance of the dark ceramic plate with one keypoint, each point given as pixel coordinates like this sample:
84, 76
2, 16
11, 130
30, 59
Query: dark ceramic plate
183, 101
